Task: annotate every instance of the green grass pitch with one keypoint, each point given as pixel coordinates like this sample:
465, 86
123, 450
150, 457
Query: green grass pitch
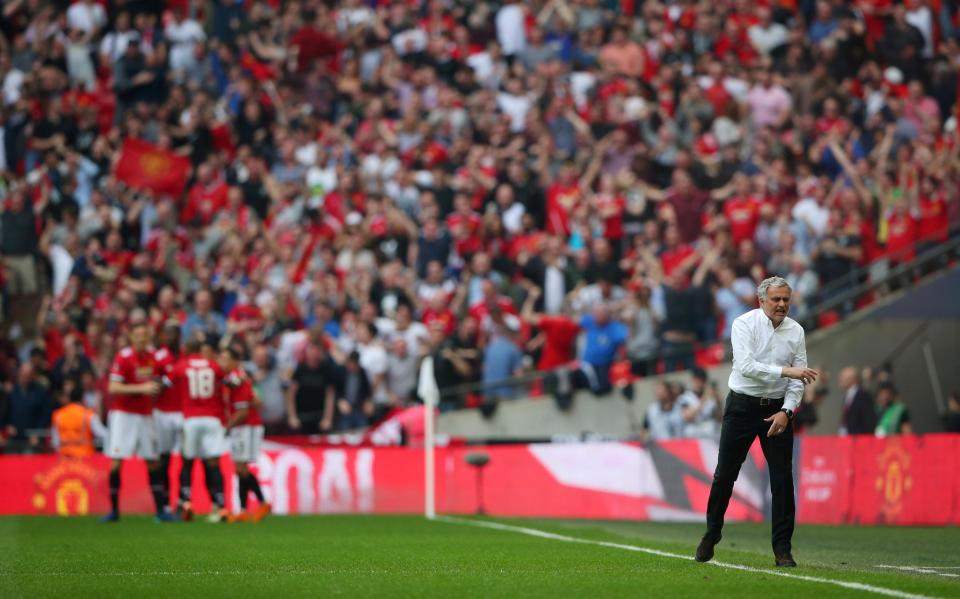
406, 556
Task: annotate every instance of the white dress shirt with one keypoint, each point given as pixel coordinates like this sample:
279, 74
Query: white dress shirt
760, 352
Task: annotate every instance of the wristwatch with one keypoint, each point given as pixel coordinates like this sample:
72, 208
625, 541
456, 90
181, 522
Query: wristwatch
788, 412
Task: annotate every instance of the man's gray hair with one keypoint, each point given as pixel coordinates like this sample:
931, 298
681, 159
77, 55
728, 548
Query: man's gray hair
768, 283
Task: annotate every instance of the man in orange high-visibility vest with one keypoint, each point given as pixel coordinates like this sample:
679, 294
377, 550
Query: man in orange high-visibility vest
75, 426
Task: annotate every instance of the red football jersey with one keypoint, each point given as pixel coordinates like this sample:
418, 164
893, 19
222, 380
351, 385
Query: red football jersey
561, 202
743, 214
561, 341
934, 223
169, 398
901, 234
240, 391
199, 383
133, 368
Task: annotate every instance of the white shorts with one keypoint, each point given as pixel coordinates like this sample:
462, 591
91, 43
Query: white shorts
169, 426
131, 434
245, 443
202, 438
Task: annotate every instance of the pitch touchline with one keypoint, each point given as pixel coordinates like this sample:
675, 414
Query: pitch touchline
533, 532
925, 569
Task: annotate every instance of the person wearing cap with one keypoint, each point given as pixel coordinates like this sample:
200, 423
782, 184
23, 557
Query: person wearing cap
766, 385
894, 417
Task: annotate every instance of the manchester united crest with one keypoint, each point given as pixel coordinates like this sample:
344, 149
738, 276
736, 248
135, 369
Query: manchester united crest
65, 488
894, 480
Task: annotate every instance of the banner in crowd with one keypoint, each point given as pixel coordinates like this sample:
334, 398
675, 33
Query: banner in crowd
905, 480
145, 166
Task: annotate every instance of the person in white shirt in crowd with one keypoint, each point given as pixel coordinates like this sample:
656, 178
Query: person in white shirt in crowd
184, 34
515, 102
766, 385
373, 360
701, 408
87, 16
664, 417
402, 370
734, 297
511, 32
811, 209
604, 291
767, 35
114, 44
415, 334
804, 283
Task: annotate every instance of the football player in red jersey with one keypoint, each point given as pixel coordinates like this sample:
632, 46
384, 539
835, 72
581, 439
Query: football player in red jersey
246, 432
133, 385
198, 380
167, 413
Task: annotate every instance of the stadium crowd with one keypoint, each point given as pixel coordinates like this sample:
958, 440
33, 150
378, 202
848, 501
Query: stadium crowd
338, 188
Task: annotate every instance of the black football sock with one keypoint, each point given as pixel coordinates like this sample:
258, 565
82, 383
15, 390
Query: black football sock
115, 491
157, 488
242, 488
254, 486
214, 483
186, 479
165, 469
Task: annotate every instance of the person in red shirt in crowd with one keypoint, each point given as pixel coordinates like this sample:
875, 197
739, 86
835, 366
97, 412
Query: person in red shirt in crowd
438, 312
465, 224
311, 43
206, 198
168, 410
933, 226
563, 197
245, 428
198, 379
558, 334
742, 210
117, 257
675, 254
55, 326
902, 228
133, 385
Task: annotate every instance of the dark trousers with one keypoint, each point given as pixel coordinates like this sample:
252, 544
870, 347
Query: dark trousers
742, 423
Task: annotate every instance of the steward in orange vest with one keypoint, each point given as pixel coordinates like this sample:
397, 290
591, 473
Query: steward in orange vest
75, 426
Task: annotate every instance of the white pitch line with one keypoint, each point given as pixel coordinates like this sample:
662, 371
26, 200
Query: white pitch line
533, 532
925, 570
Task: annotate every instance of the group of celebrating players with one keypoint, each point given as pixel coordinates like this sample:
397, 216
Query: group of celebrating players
166, 402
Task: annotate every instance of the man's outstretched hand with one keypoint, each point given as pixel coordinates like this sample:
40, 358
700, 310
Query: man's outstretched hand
800, 373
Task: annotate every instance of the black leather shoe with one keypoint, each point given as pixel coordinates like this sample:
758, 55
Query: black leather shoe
785, 560
705, 548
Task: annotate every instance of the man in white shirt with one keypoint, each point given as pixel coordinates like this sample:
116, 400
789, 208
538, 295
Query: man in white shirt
184, 35
114, 44
766, 385
87, 16
510, 28
515, 104
373, 360
767, 35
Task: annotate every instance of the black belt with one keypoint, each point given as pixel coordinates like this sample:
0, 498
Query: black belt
763, 401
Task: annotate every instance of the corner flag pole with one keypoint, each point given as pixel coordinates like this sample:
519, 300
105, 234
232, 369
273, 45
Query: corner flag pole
428, 391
